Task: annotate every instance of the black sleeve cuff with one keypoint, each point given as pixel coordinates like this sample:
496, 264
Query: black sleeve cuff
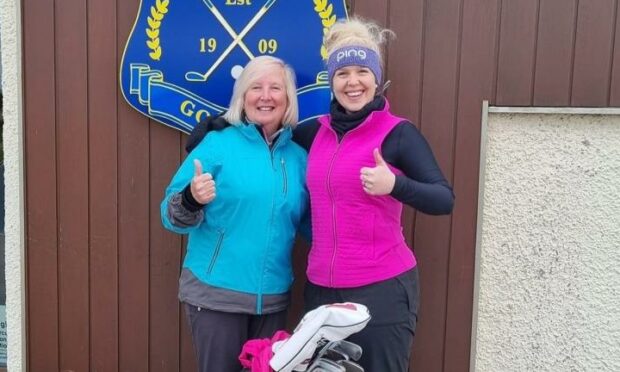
401, 188
188, 200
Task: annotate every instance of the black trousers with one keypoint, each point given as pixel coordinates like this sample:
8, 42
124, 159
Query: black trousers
393, 304
219, 336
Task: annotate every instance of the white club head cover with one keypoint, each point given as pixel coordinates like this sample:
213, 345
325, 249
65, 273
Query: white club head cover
328, 323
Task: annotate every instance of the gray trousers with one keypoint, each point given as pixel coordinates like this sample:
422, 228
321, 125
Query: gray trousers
219, 336
393, 304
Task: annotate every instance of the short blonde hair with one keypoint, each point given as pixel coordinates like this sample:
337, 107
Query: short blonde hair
254, 70
359, 32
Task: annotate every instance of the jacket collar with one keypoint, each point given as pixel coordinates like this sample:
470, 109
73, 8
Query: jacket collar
254, 132
377, 106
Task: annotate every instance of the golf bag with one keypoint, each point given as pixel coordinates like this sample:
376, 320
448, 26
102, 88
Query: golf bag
317, 343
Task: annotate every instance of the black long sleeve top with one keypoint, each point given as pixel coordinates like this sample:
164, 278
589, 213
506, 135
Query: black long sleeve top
422, 184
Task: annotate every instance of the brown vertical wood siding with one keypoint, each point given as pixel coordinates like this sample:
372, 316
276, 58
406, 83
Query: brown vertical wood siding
41, 186
594, 48
554, 51
477, 71
102, 272
614, 83
516, 53
103, 184
72, 183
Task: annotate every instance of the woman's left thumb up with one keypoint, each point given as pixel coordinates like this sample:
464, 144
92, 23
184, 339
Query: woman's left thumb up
378, 158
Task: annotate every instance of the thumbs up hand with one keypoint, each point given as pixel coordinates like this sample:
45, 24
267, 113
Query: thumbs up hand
202, 186
378, 180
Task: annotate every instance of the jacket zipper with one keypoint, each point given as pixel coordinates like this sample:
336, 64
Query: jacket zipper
331, 195
284, 177
218, 246
334, 230
259, 294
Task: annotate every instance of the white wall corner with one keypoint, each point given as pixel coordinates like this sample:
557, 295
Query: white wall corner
10, 34
474, 320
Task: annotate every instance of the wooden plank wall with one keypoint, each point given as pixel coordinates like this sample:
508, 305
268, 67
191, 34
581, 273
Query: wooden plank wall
101, 271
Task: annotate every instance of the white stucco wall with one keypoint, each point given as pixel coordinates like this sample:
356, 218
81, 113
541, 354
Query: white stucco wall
548, 259
14, 259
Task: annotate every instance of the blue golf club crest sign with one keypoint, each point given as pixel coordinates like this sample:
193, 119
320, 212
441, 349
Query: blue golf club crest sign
182, 57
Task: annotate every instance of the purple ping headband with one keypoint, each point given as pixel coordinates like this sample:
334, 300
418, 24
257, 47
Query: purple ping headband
354, 56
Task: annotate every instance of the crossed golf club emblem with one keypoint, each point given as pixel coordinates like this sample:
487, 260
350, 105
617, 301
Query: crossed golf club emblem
237, 39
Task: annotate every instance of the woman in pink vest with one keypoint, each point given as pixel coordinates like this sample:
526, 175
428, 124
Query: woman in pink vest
363, 164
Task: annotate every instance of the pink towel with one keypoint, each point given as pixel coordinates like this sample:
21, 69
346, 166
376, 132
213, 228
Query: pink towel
256, 354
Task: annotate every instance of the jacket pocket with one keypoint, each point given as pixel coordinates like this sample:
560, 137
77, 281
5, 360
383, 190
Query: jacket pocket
216, 253
409, 283
284, 177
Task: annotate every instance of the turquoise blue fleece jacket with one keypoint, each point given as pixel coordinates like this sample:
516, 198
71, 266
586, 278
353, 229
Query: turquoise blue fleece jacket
245, 239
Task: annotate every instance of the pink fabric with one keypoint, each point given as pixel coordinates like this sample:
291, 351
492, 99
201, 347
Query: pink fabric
356, 238
256, 353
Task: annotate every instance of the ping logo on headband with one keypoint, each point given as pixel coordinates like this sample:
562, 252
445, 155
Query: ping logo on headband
351, 53
354, 55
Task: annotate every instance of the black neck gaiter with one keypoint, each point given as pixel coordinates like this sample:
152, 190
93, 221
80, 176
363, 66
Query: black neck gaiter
342, 122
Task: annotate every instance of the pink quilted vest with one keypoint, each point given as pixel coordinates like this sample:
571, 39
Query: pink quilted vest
356, 238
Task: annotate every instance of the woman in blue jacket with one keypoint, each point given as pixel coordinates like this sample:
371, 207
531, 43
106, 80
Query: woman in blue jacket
240, 196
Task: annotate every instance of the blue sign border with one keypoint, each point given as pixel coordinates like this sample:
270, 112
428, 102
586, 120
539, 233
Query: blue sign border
156, 66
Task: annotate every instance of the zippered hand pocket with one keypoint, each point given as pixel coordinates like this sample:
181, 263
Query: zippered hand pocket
284, 177
216, 253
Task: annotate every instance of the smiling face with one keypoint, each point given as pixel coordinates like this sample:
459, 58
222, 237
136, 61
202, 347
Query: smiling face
354, 87
265, 100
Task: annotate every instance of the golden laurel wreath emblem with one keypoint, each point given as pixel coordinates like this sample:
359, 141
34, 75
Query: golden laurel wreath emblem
154, 20
324, 9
